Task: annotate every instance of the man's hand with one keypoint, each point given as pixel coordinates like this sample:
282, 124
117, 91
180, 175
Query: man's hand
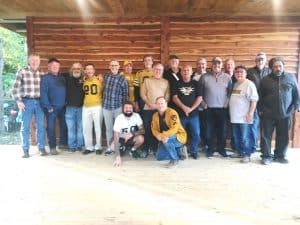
21, 106
118, 161
165, 140
127, 136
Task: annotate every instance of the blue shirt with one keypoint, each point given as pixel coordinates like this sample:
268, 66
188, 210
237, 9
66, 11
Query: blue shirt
115, 91
53, 91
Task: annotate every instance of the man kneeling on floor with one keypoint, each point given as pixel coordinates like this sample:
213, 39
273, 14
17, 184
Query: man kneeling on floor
128, 133
167, 129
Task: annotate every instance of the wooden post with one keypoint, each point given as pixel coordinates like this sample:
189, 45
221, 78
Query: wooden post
29, 26
1, 88
164, 40
296, 125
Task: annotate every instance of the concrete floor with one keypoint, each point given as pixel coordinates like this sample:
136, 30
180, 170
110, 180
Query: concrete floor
86, 190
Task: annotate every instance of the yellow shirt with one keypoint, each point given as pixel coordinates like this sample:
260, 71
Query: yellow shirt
130, 78
92, 92
141, 76
174, 124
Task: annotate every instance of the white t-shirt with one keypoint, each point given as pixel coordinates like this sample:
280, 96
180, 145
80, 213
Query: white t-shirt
125, 125
239, 103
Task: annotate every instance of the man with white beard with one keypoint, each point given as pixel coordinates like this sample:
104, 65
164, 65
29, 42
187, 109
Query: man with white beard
75, 94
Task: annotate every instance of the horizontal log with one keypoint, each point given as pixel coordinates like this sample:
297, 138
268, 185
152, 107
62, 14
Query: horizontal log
100, 27
93, 32
95, 38
245, 51
97, 20
189, 44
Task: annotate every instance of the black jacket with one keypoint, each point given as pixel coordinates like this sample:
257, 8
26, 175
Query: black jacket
278, 96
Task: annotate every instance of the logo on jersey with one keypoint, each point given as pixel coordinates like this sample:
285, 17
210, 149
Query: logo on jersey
186, 90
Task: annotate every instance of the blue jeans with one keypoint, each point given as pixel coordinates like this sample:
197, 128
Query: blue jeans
216, 124
169, 150
74, 125
192, 123
51, 125
240, 134
254, 132
32, 107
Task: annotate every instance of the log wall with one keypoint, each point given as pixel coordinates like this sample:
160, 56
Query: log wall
98, 40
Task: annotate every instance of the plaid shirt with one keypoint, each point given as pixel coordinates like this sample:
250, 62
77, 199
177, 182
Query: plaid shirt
27, 84
115, 91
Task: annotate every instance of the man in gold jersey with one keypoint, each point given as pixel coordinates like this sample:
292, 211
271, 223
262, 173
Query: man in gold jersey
139, 80
92, 110
130, 77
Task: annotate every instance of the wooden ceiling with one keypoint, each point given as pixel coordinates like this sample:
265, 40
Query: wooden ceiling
14, 12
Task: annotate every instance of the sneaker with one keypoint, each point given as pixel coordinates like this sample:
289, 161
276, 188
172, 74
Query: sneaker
224, 154
245, 159
98, 151
85, 152
194, 155
236, 155
26, 155
63, 147
281, 160
183, 153
172, 164
145, 152
71, 150
108, 151
122, 150
134, 154
266, 161
43, 152
53, 151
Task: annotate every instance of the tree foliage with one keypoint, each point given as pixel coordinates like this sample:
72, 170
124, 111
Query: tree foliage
15, 57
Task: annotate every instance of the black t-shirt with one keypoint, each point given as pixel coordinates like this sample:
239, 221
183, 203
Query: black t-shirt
187, 93
75, 92
162, 123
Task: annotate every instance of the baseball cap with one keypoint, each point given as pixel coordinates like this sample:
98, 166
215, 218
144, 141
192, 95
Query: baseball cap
261, 55
126, 62
53, 60
216, 60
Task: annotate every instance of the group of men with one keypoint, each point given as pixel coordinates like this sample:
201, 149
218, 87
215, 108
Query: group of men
160, 111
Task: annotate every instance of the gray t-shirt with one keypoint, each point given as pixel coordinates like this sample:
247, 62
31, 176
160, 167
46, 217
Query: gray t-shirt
215, 89
239, 103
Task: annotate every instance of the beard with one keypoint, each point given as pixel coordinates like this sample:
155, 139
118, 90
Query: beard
128, 114
76, 75
277, 73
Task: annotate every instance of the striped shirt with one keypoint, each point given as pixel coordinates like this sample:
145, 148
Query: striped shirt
27, 84
115, 91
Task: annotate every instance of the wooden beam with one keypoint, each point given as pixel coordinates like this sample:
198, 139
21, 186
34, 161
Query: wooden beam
165, 38
30, 33
117, 7
296, 125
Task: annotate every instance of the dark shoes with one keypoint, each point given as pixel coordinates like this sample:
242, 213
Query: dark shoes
43, 152
85, 152
134, 154
53, 151
26, 155
194, 155
71, 150
108, 152
281, 160
98, 151
171, 164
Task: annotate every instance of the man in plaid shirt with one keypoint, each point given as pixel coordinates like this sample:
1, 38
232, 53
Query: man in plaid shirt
26, 92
